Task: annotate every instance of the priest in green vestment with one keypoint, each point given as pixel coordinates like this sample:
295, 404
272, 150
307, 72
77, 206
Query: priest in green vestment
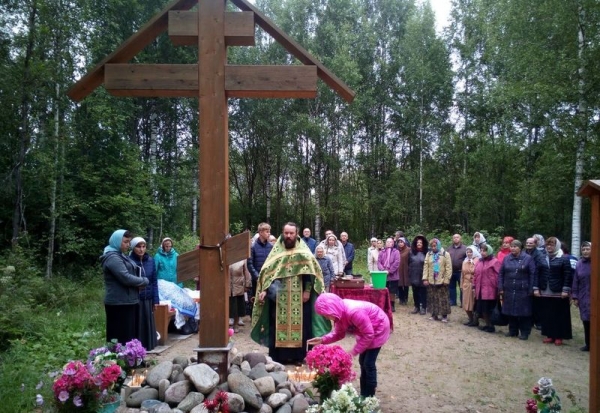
283, 316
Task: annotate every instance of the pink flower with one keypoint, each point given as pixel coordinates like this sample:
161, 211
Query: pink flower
63, 396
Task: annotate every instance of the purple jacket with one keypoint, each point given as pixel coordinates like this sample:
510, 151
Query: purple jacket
365, 320
392, 265
582, 287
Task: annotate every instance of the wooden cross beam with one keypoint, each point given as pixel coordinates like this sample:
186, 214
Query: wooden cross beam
212, 81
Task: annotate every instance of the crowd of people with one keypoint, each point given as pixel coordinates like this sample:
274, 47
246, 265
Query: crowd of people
531, 285
131, 280
284, 285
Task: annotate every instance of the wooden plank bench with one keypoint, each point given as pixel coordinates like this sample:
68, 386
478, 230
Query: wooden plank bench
162, 317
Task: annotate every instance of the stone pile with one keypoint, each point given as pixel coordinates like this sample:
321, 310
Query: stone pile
255, 384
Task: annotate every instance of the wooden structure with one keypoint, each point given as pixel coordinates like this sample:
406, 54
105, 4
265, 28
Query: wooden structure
591, 189
212, 80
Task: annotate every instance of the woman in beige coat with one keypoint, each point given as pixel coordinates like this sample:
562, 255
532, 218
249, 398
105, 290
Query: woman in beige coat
240, 282
466, 284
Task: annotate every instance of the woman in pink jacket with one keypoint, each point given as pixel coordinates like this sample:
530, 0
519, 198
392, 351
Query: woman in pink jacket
485, 285
367, 322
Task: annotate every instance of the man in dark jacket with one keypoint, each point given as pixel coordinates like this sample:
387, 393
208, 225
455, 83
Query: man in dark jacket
259, 252
349, 251
311, 242
458, 253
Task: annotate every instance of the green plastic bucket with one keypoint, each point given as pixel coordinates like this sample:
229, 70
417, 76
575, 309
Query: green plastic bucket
379, 278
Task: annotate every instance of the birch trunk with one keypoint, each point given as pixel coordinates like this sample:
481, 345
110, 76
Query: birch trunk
582, 134
52, 232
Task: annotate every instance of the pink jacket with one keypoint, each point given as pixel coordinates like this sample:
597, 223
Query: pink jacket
365, 320
485, 279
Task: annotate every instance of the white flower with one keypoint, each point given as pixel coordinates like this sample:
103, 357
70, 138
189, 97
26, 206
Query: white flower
545, 383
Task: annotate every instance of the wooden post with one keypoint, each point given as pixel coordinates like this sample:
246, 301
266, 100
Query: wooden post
214, 172
591, 189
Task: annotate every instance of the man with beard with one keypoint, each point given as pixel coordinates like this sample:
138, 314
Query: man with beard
283, 316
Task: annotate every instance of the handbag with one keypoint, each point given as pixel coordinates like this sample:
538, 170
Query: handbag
497, 318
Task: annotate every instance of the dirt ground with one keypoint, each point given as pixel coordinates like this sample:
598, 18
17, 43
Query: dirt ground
428, 366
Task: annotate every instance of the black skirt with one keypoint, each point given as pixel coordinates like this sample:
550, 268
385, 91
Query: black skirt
147, 329
122, 322
555, 317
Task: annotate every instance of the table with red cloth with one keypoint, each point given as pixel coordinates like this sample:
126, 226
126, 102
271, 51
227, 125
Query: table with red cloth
379, 297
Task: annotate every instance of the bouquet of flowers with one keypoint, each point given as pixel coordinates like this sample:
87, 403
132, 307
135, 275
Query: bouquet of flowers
346, 400
545, 399
128, 356
333, 366
81, 389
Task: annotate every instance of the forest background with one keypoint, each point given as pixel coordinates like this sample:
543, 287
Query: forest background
488, 126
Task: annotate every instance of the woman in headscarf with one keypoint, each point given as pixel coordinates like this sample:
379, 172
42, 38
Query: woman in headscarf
148, 295
404, 280
416, 261
554, 287
466, 284
389, 260
165, 260
478, 240
485, 283
504, 249
121, 284
581, 292
437, 271
326, 266
372, 255
515, 287
335, 251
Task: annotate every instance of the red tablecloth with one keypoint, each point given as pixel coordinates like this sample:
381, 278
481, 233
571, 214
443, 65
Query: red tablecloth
379, 297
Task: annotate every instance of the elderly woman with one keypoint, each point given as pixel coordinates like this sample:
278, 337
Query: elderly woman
121, 283
416, 261
581, 292
389, 260
240, 282
372, 255
515, 287
478, 240
553, 288
326, 266
335, 251
466, 284
437, 271
485, 283
148, 295
403, 280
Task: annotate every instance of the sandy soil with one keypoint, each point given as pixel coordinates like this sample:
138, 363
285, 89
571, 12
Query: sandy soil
428, 366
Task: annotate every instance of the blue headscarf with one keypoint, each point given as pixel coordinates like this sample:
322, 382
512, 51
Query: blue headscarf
436, 257
114, 242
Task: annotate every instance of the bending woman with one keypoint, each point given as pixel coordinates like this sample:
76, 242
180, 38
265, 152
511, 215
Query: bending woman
367, 322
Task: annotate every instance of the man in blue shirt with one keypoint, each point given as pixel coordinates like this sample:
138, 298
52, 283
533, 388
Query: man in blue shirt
349, 251
311, 242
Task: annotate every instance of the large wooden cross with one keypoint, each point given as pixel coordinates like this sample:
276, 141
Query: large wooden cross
212, 80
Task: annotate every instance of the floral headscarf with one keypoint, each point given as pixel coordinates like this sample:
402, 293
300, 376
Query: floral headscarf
475, 252
436, 257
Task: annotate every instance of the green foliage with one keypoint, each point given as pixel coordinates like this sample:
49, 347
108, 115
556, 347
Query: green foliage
44, 323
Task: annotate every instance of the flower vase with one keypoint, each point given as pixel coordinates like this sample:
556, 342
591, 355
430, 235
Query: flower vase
110, 407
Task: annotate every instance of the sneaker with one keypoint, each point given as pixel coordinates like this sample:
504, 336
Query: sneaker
241, 323
558, 342
415, 311
548, 340
230, 322
444, 319
422, 312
